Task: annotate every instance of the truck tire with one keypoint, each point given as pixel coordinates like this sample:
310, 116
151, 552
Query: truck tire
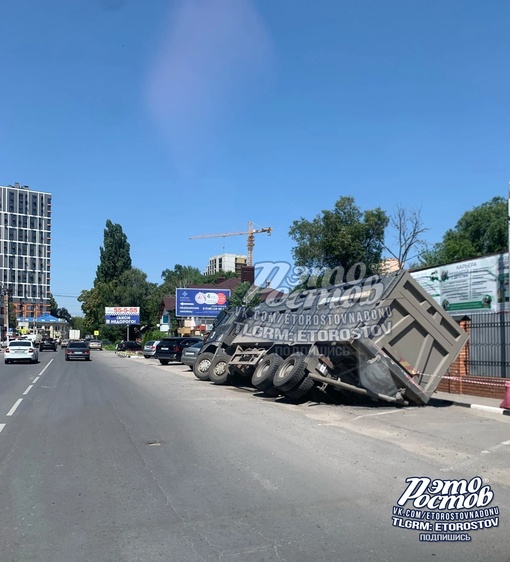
290, 373
264, 373
201, 366
218, 371
301, 390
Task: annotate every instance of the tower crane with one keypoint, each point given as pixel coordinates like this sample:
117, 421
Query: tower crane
251, 238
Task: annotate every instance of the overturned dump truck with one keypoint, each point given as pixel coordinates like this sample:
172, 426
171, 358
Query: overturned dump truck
381, 336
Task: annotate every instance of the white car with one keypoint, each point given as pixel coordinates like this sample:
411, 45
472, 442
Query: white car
149, 349
21, 350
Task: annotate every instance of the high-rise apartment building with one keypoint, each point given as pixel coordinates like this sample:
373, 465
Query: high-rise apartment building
25, 244
226, 262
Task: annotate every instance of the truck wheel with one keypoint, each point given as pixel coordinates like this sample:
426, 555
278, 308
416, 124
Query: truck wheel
201, 366
164, 361
263, 376
290, 373
218, 371
301, 390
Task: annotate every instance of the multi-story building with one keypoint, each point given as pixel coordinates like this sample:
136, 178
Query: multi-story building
226, 262
25, 244
389, 265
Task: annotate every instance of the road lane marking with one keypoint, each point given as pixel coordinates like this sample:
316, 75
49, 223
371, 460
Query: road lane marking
49, 363
36, 379
14, 408
2, 425
28, 390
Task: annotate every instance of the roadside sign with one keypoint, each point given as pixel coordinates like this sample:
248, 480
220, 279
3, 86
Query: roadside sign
201, 302
96, 332
122, 315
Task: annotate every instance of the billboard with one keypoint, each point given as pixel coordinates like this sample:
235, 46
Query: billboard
469, 287
122, 315
200, 302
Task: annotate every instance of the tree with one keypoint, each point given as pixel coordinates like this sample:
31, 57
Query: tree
482, 230
407, 229
113, 285
244, 295
53, 306
58, 312
180, 276
341, 237
114, 255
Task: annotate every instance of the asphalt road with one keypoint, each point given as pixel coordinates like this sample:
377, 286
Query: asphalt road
126, 460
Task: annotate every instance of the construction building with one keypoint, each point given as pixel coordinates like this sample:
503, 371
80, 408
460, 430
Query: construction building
226, 262
25, 241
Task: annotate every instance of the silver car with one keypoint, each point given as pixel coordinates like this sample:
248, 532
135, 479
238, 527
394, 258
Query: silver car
21, 350
190, 354
149, 349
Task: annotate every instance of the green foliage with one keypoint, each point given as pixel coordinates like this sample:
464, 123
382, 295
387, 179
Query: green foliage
343, 236
53, 306
13, 319
213, 277
482, 230
243, 296
114, 256
153, 335
180, 276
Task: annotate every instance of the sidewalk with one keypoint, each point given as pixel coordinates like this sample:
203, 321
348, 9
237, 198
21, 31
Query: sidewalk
468, 401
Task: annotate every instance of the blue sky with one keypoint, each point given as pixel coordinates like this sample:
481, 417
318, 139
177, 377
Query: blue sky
187, 117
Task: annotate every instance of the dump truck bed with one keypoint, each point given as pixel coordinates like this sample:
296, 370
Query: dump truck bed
399, 341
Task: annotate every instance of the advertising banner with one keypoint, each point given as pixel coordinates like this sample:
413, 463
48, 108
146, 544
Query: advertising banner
122, 315
469, 287
200, 302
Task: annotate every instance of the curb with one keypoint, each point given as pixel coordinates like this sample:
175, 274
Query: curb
483, 407
122, 354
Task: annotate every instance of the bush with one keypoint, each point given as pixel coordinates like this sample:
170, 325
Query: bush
153, 336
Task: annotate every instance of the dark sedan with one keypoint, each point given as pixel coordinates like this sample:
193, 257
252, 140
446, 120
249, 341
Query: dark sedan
170, 349
77, 350
129, 346
48, 343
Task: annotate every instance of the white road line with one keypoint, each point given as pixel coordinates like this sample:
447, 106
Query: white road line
36, 379
2, 425
381, 413
14, 408
49, 363
28, 390
505, 443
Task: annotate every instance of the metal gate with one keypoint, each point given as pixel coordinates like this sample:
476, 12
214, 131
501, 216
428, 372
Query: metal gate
489, 345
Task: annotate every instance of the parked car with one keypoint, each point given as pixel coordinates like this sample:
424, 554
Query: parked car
190, 354
21, 350
149, 349
77, 350
96, 344
170, 349
129, 346
48, 343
